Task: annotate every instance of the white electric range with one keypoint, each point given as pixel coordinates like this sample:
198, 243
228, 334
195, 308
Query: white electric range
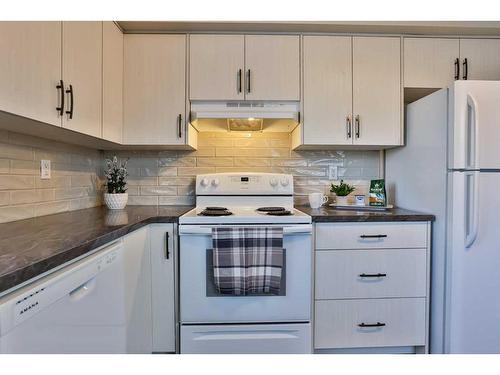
213, 323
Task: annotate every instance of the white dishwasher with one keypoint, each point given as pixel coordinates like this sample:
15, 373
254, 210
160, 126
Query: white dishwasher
78, 309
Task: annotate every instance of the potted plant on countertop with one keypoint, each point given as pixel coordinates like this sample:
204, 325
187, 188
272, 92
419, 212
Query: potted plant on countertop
341, 191
116, 195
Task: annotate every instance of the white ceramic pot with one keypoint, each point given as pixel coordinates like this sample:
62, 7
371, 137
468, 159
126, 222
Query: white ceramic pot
341, 201
116, 201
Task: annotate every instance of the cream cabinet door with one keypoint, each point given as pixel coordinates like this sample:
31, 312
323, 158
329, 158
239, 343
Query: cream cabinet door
30, 70
154, 99
216, 67
327, 90
82, 75
112, 82
377, 91
483, 59
272, 64
430, 62
163, 284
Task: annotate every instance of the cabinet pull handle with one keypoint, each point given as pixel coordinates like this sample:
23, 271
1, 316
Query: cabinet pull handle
239, 82
167, 249
248, 82
365, 325
457, 69
357, 125
373, 236
72, 101
348, 126
466, 69
373, 275
60, 86
179, 124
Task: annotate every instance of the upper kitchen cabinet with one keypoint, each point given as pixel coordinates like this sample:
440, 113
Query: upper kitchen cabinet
216, 67
272, 64
30, 70
430, 62
154, 96
377, 90
244, 67
112, 82
82, 76
327, 90
480, 59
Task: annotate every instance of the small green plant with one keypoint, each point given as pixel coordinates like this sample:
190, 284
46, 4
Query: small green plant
341, 190
116, 176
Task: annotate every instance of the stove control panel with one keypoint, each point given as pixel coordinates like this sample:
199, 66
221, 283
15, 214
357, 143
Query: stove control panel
244, 184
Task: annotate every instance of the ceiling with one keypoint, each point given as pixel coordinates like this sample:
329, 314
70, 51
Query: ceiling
472, 28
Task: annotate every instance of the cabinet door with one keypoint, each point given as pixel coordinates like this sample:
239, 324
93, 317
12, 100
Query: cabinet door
112, 82
137, 258
216, 67
377, 91
163, 256
30, 69
327, 90
154, 99
483, 58
82, 72
272, 67
430, 62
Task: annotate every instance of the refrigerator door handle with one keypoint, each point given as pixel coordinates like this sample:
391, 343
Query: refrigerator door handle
472, 150
473, 212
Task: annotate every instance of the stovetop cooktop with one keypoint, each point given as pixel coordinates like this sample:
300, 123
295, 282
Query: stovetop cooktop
244, 215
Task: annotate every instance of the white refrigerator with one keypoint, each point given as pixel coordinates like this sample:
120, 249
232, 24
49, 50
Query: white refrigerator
450, 167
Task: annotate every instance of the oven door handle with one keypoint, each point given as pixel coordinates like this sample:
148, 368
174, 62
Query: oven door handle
207, 230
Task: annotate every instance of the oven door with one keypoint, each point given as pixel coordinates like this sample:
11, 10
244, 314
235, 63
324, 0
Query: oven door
199, 303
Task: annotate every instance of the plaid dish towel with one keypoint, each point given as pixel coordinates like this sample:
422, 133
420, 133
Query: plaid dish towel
247, 260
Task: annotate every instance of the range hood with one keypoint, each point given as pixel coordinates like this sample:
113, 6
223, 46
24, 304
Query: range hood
245, 116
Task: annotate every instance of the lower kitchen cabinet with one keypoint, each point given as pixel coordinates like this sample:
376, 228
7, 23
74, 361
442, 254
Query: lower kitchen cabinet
137, 258
372, 287
163, 257
149, 255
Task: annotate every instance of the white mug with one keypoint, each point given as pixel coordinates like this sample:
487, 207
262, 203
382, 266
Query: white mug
317, 199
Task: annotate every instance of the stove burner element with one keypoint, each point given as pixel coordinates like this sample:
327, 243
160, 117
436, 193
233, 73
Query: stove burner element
216, 208
280, 213
219, 212
271, 209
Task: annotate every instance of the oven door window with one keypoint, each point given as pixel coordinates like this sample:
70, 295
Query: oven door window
210, 285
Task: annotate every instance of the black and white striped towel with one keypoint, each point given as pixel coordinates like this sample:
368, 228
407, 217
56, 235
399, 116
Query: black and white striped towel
247, 260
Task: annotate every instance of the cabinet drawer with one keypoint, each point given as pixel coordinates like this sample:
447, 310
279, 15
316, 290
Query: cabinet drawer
353, 274
338, 324
372, 235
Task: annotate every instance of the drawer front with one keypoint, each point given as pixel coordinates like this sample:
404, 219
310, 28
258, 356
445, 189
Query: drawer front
370, 273
370, 235
339, 324
246, 339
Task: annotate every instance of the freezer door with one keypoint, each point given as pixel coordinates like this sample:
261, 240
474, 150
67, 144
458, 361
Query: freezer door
472, 309
474, 125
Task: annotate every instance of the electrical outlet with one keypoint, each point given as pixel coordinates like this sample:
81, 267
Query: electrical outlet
45, 169
333, 172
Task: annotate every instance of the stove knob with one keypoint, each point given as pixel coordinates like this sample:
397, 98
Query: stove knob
284, 181
215, 182
273, 181
204, 182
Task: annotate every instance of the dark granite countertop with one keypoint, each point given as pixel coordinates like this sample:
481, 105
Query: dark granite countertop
329, 214
31, 247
